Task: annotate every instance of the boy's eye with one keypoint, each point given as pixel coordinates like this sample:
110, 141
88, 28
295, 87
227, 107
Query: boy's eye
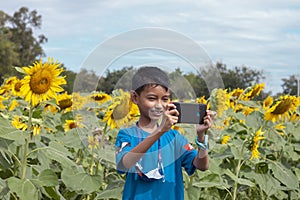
166, 98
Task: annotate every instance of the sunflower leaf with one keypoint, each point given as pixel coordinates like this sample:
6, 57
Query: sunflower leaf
115, 193
77, 180
251, 104
284, 175
25, 189
8, 132
46, 178
59, 153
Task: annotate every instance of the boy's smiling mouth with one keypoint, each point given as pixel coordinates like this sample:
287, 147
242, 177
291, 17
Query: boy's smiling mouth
156, 112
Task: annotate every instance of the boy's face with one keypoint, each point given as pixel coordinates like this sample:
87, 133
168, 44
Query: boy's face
152, 102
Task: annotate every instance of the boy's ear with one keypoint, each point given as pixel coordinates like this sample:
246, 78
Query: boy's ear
133, 96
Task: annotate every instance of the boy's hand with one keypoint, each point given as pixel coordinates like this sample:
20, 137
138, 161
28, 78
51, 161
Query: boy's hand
170, 117
208, 121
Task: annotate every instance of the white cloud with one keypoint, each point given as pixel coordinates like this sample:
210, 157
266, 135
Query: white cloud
263, 34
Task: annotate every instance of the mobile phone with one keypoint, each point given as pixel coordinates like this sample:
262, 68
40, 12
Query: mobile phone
190, 113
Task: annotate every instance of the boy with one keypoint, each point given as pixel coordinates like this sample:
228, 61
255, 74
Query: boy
151, 153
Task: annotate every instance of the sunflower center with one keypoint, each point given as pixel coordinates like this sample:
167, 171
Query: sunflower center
18, 86
72, 125
121, 110
65, 103
99, 97
282, 107
40, 82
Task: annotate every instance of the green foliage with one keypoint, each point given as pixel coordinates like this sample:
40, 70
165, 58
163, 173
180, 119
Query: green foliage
21, 24
18, 44
290, 85
70, 78
85, 81
233, 175
115, 78
60, 165
239, 77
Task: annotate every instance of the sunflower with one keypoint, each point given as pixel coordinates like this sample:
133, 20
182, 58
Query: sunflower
73, 123
225, 139
234, 96
18, 124
4, 90
253, 91
10, 81
64, 101
42, 81
13, 105
36, 130
219, 101
281, 108
93, 142
248, 110
178, 128
268, 102
2, 106
254, 149
78, 101
227, 121
201, 100
100, 97
16, 88
236, 93
121, 112
295, 117
280, 128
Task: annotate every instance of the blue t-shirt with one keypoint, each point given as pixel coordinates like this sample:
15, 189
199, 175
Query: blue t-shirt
176, 152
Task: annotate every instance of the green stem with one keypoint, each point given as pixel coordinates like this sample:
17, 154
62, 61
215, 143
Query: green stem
92, 162
37, 149
103, 136
17, 162
97, 166
24, 159
237, 173
24, 162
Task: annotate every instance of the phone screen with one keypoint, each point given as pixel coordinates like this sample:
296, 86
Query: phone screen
190, 113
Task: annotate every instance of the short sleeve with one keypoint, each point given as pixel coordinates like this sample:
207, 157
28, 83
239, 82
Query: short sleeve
187, 154
124, 144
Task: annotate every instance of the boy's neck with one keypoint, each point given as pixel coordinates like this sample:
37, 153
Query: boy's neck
148, 126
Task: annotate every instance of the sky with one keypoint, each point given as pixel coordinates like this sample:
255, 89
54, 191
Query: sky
262, 35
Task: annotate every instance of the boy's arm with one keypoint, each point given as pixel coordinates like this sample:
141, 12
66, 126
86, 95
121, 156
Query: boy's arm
201, 161
137, 152
132, 157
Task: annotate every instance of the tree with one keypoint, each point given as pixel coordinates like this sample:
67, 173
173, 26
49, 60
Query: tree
198, 83
21, 25
85, 81
239, 77
290, 85
117, 78
8, 55
70, 78
18, 46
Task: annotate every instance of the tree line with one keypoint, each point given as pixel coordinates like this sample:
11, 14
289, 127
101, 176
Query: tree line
20, 47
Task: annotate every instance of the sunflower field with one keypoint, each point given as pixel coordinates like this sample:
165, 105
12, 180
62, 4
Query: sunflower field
56, 145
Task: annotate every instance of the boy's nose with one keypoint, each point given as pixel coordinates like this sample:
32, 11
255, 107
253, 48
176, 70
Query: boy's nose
158, 106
